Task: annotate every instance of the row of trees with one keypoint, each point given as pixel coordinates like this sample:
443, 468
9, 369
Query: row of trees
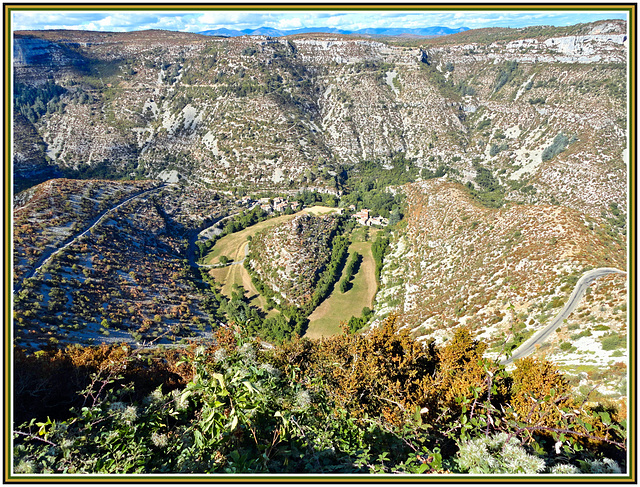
292, 320
350, 271
379, 249
244, 220
328, 278
356, 323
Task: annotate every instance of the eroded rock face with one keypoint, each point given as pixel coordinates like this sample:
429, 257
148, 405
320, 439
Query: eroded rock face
275, 114
28, 51
29, 157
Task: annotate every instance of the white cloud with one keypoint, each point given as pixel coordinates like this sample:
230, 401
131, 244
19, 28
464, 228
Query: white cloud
232, 20
334, 20
289, 24
214, 19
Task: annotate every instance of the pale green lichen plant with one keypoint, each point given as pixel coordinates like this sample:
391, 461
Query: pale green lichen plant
504, 453
606, 465
501, 453
564, 469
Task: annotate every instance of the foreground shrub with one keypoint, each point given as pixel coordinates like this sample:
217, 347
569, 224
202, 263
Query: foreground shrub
375, 403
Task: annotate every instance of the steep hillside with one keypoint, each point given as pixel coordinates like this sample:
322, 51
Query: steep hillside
30, 160
49, 215
289, 258
107, 261
502, 272
529, 91
262, 113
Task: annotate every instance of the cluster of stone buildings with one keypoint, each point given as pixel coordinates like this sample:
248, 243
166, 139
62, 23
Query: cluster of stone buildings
363, 218
278, 204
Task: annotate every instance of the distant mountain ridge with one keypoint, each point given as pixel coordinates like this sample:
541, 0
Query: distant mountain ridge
392, 31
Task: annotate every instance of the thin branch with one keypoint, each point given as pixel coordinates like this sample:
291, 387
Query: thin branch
489, 385
575, 433
34, 437
389, 400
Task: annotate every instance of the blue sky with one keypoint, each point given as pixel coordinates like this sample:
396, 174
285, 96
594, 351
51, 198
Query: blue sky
195, 21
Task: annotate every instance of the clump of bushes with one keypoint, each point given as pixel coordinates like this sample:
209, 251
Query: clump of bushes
350, 271
506, 74
613, 341
559, 144
379, 402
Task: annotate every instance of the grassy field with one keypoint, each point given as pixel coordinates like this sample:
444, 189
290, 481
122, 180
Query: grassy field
237, 274
234, 246
339, 307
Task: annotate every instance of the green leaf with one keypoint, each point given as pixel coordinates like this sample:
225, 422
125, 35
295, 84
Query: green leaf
605, 417
219, 377
43, 426
197, 436
417, 417
249, 386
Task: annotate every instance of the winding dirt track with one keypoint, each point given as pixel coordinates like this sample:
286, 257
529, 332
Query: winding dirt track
71, 240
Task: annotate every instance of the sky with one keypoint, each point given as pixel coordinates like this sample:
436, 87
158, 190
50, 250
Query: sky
197, 21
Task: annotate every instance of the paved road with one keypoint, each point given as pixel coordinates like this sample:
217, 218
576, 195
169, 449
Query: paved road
581, 286
45, 259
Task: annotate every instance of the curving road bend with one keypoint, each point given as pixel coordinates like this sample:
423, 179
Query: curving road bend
583, 283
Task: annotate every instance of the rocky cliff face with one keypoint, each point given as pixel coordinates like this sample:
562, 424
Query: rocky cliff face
32, 53
263, 113
29, 156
